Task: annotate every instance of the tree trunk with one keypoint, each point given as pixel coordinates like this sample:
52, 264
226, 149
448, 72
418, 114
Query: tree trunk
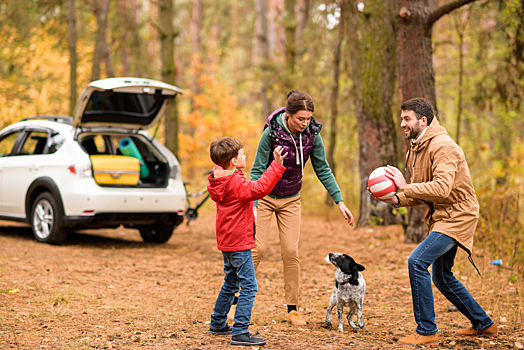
290, 25
234, 44
261, 28
460, 84
141, 66
275, 36
304, 7
373, 38
460, 27
196, 39
131, 52
101, 52
415, 72
71, 40
334, 94
167, 41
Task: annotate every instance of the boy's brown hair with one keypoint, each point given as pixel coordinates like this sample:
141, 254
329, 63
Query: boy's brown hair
224, 149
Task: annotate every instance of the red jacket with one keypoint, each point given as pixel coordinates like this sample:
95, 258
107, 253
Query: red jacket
234, 196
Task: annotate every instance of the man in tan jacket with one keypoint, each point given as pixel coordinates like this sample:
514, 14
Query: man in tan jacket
440, 179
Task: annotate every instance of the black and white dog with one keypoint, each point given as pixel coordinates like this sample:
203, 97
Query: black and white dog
349, 289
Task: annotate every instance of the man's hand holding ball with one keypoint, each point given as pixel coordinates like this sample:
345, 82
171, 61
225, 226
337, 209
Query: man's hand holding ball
396, 176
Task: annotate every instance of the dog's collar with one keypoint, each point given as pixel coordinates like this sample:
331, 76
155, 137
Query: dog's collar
343, 282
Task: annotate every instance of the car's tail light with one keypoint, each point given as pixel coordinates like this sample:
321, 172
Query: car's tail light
81, 170
175, 172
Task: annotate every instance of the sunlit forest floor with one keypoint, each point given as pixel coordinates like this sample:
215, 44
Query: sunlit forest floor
107, 289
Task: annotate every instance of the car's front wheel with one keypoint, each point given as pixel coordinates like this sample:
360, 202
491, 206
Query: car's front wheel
45, 219
157, 233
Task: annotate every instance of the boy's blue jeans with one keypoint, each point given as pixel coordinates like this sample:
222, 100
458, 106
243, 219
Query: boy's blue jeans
239, 274
440, 250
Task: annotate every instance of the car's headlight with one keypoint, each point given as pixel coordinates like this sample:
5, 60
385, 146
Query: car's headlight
81, 170
175, 172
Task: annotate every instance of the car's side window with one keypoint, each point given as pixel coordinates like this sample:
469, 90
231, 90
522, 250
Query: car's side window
7, 143
34, 143
54, 142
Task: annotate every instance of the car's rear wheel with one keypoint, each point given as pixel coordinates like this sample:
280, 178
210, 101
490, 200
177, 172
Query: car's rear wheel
157, 233
45, 220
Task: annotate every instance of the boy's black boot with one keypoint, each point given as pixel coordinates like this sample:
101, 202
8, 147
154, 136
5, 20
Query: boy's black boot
247, 339
220, 331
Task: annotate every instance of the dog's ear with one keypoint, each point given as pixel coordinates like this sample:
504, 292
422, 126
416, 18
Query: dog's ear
360, 267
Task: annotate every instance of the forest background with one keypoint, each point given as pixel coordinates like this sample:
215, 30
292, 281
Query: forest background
237, 59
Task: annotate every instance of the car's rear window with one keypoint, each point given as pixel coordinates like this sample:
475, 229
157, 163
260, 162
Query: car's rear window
108, 101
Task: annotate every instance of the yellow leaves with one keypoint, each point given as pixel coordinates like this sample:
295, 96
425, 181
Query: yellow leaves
37, 80
214, 113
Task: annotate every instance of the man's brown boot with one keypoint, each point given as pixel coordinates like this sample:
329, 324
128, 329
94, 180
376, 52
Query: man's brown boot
295, 319
488, 332
419, 339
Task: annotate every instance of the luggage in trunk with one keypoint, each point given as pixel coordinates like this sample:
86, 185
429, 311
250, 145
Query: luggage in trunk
115, 170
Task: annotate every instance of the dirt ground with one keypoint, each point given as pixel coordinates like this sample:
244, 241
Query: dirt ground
107, 289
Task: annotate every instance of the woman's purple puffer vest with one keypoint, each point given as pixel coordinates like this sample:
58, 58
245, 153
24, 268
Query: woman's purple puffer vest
291, 181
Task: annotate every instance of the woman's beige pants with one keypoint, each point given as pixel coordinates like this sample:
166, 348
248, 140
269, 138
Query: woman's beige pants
287, 212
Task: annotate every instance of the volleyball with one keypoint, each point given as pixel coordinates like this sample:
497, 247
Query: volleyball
380, 185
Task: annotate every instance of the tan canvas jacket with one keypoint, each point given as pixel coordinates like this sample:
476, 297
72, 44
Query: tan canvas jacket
440, 179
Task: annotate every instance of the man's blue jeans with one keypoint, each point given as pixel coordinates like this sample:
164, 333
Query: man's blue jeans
239, 274
440, 250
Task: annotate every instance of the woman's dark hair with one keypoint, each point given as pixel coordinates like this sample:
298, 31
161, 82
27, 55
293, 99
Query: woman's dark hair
421, 107
299, 101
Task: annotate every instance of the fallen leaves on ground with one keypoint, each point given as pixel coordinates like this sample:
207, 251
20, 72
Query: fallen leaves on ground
108, 289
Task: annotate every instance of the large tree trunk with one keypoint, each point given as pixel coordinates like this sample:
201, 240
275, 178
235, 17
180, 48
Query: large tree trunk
330, 156
101, 52
167, 39
71, 41
373, 39
416, 75
261, 28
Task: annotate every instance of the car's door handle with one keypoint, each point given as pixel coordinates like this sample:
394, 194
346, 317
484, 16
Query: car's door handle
34, 167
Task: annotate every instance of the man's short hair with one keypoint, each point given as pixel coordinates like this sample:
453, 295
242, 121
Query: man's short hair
224, 149
421, 107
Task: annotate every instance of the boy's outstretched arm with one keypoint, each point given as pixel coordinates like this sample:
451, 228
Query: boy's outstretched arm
254, 190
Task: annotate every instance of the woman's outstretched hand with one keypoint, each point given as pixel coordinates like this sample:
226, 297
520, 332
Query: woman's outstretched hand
277, 154
346, 212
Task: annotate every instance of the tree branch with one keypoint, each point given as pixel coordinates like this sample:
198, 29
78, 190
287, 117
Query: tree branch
447, 8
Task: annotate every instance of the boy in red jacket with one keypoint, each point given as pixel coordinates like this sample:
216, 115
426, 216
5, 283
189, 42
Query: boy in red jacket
235, 231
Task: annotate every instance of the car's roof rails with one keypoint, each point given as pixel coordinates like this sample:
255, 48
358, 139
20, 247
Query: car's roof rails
51, 118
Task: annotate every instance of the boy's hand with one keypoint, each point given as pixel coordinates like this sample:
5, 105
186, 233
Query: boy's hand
279, 157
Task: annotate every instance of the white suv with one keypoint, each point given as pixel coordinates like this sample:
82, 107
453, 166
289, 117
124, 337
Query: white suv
46, 172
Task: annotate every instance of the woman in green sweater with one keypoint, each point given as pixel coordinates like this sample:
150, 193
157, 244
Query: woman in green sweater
293, 128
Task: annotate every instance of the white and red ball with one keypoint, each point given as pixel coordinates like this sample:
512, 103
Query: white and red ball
381, 186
